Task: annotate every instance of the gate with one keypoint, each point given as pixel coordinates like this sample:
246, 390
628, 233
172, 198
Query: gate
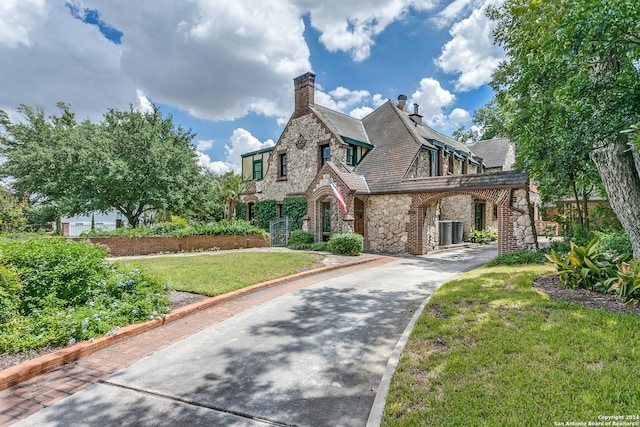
279, 231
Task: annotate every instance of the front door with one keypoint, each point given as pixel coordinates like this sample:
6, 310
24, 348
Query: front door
326, 220
358, 223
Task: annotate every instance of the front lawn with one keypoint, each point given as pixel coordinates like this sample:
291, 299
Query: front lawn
488, 350
221, 273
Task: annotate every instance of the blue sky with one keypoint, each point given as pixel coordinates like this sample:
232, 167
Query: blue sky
226, 69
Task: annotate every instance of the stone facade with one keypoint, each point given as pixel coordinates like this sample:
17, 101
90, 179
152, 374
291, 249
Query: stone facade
387, 220
523, 230
302, 157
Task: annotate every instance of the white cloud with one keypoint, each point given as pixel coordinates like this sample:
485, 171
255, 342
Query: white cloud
351, 26
432, 100
144, 105
215, 60
471, 52
216, 167
356, 103
204, 144
360, 112
454, 11
17, 17
243, 142
459, 116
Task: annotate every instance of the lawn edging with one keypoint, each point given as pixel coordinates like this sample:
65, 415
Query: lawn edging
38, 366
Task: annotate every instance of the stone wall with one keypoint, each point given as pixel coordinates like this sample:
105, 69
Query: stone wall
124, 246
302, 159
522, 227
386, 222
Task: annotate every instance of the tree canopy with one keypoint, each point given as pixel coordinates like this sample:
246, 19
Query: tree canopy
132, 161
570, 84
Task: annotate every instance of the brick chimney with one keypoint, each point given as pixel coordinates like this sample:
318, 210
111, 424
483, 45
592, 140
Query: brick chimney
304, 91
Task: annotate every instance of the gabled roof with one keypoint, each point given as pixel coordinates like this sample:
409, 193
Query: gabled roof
395, 147
493, 151
341, 124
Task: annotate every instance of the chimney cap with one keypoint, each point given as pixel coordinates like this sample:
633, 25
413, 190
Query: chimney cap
402, 97
306, 76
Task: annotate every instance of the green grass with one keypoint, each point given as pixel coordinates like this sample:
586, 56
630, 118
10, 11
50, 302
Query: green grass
489, 351
221, 273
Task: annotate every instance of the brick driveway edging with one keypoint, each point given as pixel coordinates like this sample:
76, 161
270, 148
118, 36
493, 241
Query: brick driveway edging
32, 368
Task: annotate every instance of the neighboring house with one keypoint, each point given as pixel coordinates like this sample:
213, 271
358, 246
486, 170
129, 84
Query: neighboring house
75, 225
402, 182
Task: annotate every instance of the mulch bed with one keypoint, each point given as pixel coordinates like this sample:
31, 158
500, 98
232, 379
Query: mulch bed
589, 299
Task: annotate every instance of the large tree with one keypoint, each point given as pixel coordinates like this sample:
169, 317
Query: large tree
571, 84
132, 161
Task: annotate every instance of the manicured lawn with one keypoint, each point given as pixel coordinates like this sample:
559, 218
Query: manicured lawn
488, 350
220, 273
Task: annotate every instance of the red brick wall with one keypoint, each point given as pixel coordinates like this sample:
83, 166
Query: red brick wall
123, 246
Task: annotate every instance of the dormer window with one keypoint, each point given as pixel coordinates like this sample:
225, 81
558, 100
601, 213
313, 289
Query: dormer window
351, 156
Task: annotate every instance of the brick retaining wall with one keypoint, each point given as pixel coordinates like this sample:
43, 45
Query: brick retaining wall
123, 246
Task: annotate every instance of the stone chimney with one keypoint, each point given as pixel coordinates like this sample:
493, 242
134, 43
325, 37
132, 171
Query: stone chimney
417, 118
304, 91
402, 102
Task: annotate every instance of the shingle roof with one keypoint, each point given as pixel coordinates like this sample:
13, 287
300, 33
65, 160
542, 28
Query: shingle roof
341, 124
396, 139
493, 151
508, 179
394, 147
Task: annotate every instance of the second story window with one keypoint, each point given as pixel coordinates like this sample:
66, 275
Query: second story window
283, 165
257, 170
351, 156
325, 154
434, 164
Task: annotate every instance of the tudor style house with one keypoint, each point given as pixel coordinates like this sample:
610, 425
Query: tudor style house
407, 188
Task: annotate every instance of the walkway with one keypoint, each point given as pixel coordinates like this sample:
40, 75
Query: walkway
307, 352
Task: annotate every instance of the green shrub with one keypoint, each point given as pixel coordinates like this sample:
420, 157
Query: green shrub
238, 227
55, 266
615, 242
69, 292
586, 267
518, 257
482, 236
346, 243
220, 228
320, 246
10, 290
300, 239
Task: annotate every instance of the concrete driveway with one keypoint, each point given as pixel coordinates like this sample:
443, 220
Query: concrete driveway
312, 357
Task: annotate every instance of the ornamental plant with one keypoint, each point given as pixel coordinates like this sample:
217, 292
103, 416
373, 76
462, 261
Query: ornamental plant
57, 292
346, 243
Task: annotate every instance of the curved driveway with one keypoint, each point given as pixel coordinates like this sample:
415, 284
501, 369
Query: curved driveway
313, 357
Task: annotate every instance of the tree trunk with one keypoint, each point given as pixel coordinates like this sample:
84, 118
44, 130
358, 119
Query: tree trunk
585, 209
621, 179
576, 196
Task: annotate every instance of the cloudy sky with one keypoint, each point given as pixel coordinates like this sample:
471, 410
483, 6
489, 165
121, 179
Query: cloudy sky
225, 69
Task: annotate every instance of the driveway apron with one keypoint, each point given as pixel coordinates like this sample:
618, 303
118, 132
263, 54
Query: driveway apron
311, 357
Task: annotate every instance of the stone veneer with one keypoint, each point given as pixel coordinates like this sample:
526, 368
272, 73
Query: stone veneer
386, 223
302, 163
522, 227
